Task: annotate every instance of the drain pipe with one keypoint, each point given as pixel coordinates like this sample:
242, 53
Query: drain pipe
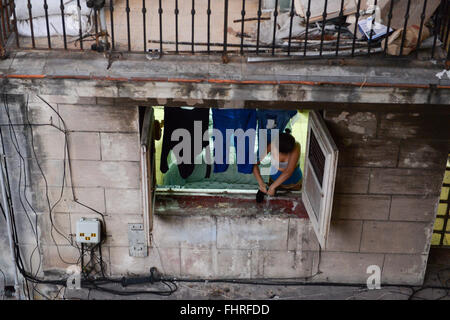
9, 227
145, 194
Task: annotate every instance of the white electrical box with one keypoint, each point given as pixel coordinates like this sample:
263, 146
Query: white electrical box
88, 230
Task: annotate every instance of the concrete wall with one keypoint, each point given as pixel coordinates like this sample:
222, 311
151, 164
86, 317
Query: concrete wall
391, 167
390, 171
104, 152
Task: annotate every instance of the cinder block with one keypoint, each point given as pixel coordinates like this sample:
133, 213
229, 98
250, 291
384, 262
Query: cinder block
293, 235
120, 146
344, 267
349, 124
32, 262
59, 257
257, 270
106, 257
363, 207
414, 125
307, 239
117, 228
167, 261
109, 174
413, 208
18, 143
31, 175
39, 112
25, 220
406, 181
123, 201
396, 237
345, 235
356, 151
6, 264
287, 264
56, 175
426, 154
234, 263
184, 231
404, 269
84, 145
91, 197
268, 233
49, 143
15, 104
56, 233
201, 263
99, 118
352, 180
36, 111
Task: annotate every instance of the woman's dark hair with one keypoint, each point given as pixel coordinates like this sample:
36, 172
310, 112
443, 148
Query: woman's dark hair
287, 142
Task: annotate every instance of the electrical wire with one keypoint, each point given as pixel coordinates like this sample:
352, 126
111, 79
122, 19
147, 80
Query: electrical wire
27, 276
16, 146
2, 288
92, 281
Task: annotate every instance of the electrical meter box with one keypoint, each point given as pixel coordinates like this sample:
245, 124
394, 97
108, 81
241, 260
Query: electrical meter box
88, 230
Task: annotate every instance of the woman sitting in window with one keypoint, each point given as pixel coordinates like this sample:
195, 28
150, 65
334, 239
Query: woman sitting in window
285, 172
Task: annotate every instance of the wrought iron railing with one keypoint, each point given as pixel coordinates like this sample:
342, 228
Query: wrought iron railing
6, 25
246, 27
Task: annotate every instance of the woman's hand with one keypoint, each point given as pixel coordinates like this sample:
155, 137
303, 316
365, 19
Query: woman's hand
271, 191
263, 188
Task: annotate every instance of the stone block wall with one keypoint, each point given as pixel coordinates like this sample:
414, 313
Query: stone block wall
103, 144
391, 167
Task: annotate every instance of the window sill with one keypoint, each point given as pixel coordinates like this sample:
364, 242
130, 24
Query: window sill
227, 203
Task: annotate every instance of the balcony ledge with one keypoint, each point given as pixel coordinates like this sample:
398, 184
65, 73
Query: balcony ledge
206, 80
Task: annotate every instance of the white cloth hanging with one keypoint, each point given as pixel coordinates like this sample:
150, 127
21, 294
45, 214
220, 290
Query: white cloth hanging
37, 8
72, 24
72, 18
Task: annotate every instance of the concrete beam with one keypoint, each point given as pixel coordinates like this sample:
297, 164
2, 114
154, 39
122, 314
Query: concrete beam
204, 80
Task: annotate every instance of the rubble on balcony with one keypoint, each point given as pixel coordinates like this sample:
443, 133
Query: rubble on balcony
322, 27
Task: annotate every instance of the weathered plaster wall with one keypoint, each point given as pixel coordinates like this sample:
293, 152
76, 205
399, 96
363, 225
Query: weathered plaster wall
104, 152
391, 167
390, 170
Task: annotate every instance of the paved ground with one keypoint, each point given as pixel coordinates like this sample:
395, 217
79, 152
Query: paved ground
438, 275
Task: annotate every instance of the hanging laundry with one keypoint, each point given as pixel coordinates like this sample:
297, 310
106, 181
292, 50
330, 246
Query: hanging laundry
183, 118
234, 119
274, 119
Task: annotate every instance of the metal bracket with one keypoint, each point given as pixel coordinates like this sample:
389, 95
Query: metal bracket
136, 240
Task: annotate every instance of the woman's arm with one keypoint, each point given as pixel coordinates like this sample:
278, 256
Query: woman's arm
261, 183
257, 173
292, 164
